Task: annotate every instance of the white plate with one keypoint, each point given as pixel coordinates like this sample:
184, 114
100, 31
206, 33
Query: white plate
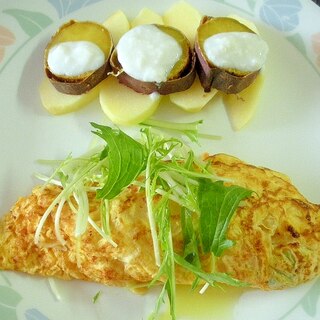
284, 135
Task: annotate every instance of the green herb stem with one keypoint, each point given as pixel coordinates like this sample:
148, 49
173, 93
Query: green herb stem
153, 228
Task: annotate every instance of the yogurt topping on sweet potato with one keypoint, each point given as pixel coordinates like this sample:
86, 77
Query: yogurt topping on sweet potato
148, 54
73, 58
242, 51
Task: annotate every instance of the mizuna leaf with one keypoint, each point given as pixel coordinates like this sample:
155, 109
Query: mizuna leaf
217, 204
211, 278
127, 159
30, 21
190, 253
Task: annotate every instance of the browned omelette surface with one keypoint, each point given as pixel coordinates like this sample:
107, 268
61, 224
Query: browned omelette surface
276, 233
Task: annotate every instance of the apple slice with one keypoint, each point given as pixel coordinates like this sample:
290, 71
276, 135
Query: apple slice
194, 98
146, 16
184, 17
60, 103
241, 107
124, 106
117, 24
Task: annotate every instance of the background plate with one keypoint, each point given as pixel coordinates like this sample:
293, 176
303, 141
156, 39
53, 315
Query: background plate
284, 135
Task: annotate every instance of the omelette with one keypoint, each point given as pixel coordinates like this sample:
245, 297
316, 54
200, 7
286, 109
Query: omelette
276, 235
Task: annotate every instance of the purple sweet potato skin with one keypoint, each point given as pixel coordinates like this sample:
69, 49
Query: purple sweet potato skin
212, 76
183, 82
79, 86
83, 83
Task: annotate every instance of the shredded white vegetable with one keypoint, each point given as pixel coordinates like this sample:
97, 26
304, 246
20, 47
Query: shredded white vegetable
57, 222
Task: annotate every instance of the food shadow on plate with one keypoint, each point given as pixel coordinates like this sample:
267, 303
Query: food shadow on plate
31, 77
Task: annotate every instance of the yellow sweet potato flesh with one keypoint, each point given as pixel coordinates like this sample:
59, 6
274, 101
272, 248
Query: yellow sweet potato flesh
184, 60
84, 31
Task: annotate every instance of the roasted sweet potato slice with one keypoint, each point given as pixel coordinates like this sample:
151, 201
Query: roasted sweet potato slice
180, 78
80, 31
212, 76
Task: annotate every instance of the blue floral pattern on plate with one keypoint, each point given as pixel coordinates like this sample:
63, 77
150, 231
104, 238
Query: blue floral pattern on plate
281, 14
34, 314
65, 7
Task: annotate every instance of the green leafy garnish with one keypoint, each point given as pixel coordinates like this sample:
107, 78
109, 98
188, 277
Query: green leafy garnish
217, 204
96, 297
211, 278
190, 129
191, 246
126, 160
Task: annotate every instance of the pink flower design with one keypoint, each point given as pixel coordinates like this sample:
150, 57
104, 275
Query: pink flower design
7, 38
315, 39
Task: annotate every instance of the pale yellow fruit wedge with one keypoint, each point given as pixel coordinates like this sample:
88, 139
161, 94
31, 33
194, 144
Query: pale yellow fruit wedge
184, 17
194, 98
60, 103
123, 106
241, 107
117, 24
146, 16
246, 22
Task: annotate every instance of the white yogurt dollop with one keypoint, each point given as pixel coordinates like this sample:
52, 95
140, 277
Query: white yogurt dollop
243, 51
148, 54
73, 58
